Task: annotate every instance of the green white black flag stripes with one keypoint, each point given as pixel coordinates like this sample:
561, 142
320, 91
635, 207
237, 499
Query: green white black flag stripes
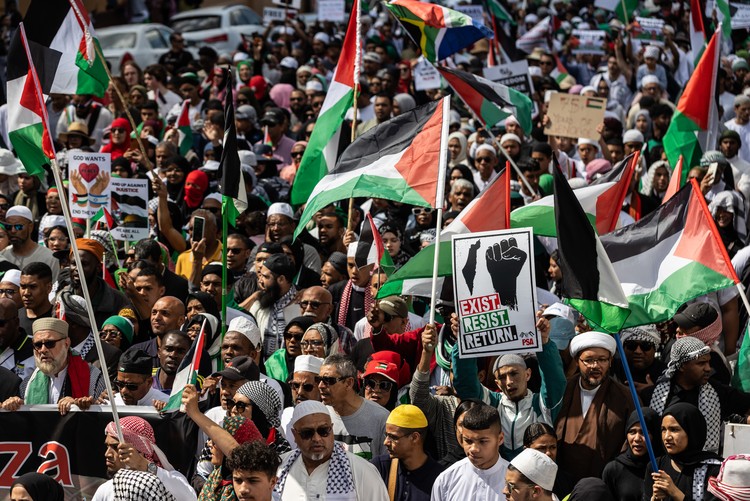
234, 200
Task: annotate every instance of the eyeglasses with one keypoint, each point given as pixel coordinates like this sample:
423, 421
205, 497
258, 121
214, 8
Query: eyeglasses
47, 344
109, 333
379, 385
393, 438
592, 362
308, 433
514, 486
130, 386
421, 210
13, 227
4, 206
312, 344
7, 292
644, 345
329, 380
240, 406
118, 130
296, 98
296, 337
308, 387
234, 250
480, 160
311, 304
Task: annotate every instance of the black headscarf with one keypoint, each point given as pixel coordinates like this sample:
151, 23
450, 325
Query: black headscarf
692, 421
653, 424
206, 300
40, 487
303, 322
591, 489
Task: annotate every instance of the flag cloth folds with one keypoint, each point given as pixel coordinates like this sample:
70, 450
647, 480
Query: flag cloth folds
538, 36
439, 31
669, 257
741, 376
697, 31
415, 277
187, 372
601, 201
497, 9
591, 285
184, 130
329, 137
370, 248
695, 123
104, 215
490, 101
234, 194
623, 9
71, 65
27, 116
674, 181
396, 160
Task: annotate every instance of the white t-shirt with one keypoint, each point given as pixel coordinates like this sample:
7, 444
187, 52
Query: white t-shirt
465, 482
174, 481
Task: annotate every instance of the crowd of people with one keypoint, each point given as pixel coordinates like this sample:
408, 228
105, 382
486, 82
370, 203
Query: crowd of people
315, 389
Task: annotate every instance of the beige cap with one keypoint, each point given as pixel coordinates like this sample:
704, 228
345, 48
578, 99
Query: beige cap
50, 324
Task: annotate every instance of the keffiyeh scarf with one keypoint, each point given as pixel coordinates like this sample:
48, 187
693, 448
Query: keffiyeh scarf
340, 479
134, 485
346, 298
277, 323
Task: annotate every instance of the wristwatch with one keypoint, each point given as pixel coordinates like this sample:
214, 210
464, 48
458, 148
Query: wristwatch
151, 468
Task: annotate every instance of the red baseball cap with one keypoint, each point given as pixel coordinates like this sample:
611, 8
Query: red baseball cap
386, 369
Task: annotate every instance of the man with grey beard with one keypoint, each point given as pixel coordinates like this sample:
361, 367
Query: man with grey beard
61, 377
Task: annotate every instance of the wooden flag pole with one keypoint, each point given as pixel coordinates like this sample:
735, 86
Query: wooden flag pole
357, 56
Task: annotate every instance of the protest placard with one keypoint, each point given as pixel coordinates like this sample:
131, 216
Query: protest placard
495, 290
473, 11
589, 41
575, 116
426, 77
271, 14
739, 11
291, 4
648, 30
130, 209
514, 75
89, 182
331, 10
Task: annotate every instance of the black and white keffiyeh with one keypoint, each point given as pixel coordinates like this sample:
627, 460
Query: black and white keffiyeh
265, 399
134, 485
276, 323
340, 479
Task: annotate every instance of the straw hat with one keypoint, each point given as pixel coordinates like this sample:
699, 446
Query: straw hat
78, 129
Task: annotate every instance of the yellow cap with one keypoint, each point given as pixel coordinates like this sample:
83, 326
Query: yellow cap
407, 416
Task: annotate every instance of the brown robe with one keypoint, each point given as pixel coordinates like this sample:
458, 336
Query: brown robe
586, 445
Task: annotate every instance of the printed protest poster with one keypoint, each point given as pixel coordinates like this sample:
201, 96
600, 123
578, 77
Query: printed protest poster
648, 30
89, 182
331, 10
575, 116
426, 76
271, 14
493, 279
130, 209
589, 41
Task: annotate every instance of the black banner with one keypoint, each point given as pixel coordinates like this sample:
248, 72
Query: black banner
71, 448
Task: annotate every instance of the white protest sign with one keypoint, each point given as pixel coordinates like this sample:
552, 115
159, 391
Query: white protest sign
739, 11
331, 10
291, 4
495, 288
589, 41
473, 11
426, 77
648, 30
130, 209
514, 75
89, 182
271, 14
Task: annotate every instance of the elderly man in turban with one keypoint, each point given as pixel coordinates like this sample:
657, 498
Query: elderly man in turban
105, 300
591, 422
139, 452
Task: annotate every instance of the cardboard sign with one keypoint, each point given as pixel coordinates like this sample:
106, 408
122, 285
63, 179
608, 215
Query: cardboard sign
130, 209
589, 41
426, 77
514, 75
331, 10
473, 11
575, 116
89, 182
493, 279
291, 4
271, 14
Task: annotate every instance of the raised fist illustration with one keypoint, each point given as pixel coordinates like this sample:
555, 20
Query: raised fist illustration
504, 262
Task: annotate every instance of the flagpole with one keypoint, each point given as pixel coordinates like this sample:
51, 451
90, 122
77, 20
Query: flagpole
357, 55
637, 402
440, 200
74, 246
192, 366
515, 168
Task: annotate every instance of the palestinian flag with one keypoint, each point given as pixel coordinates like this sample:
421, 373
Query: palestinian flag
669, 257
104, 215
184, 129
234, 194
674, 181
623, 9
69, 63
415, 277
370, 248
695, 123
724, 14
741, 376
560, 72
399, 160
498, 10
538, 36
329, 137
28, 126
490, 101
601, 201
589, 281
697, 31
188, 371
438, 31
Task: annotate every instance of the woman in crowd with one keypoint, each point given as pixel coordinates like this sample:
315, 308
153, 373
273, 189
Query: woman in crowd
728, 211
542, 437
554, 274
36, 487
258, 402
117, 331
320, 340
281, 362
392, 236
458, 147
119, 138
380, 383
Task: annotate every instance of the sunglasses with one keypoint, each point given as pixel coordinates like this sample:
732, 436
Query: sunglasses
296, 337
4, 206
308, 433
421, 210
311, 304
14, 227
47, 344
240, 406
109, 334
328, 380
120, 131
234, 250
297, 154
312, 344
379, 385
130, 386
633, 345
308, 387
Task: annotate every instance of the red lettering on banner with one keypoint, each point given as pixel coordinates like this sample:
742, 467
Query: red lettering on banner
20, 451
480, 304
60, 461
